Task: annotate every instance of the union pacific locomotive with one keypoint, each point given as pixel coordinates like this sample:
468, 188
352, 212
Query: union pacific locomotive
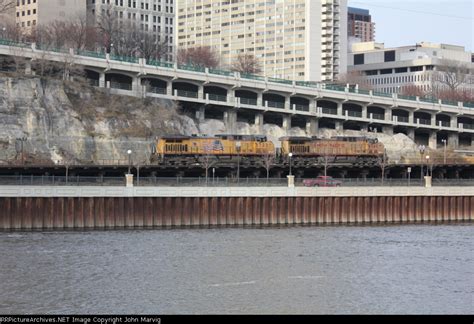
189, 149
253, 149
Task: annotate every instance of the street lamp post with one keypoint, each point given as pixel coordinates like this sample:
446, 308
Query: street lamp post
422, 149
238, 146
445, 144
428, 166
129, 152
290, 155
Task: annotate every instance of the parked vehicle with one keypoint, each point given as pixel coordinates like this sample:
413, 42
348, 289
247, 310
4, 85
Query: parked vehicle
322, 181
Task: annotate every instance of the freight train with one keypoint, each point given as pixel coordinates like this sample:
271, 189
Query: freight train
256, 149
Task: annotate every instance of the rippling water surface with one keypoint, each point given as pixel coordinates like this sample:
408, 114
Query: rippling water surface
294, 270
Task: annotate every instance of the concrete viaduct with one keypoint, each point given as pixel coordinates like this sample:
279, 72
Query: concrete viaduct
233, 97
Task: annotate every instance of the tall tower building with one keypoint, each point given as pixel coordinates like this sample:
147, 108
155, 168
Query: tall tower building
360, 25
304, 40
156, 17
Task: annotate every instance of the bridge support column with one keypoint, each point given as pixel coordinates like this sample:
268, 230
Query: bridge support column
339, 125
411, 118
169, 88
411, 134
312, 126
388, 115
288, 103
201, 92
260, 99
433, 120
28, 67
230, 120
339, 109
201, 114
387, 130
231, 97
364, 111
259, 122
286, 122
453, 140
454, 122
136, 86
432, 140
102, 80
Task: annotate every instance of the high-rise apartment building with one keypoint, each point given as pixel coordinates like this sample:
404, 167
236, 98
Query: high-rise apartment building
360, 25
303, 40
156, 17
30, 13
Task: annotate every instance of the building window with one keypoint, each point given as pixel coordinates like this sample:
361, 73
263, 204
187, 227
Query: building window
390, 56
358, 59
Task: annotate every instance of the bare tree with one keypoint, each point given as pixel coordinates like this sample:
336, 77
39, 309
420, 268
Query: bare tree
355, 78
208, 161
6, 6
108, 27
452, 75
326, 160
78, 33
132, 41
202, 56
412, 91
268, 162
382, 162
247, 63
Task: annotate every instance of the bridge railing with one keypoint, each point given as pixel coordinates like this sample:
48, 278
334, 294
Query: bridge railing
31, 180
332, 87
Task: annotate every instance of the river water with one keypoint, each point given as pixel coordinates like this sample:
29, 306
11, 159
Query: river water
410, 269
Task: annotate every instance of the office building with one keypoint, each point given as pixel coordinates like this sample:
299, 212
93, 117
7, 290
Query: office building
394, 70
30, 13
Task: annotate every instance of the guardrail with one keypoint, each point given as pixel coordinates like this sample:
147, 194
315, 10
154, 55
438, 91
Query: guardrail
21, 180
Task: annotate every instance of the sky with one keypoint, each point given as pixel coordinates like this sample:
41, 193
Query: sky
406, 22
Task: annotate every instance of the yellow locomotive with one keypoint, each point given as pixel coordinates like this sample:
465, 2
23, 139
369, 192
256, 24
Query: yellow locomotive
220, 146
354, 149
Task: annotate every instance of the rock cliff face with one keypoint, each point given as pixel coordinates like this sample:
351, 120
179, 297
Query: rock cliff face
74, 123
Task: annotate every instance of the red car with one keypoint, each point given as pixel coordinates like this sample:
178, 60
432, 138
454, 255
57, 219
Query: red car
322, 181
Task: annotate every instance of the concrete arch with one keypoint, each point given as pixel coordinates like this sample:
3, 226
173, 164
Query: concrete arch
247, 97
402, 115
120, 72
299, 103
400, 130
153, 82
274, 100
466, 121
242, 93
92, 74
352, 109
195, 83
422, 117
375, 110
185, 86
211, 89
443, 119
327, 104
119, 81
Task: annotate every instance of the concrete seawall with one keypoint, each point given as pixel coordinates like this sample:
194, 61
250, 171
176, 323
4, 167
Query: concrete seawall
26, 208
